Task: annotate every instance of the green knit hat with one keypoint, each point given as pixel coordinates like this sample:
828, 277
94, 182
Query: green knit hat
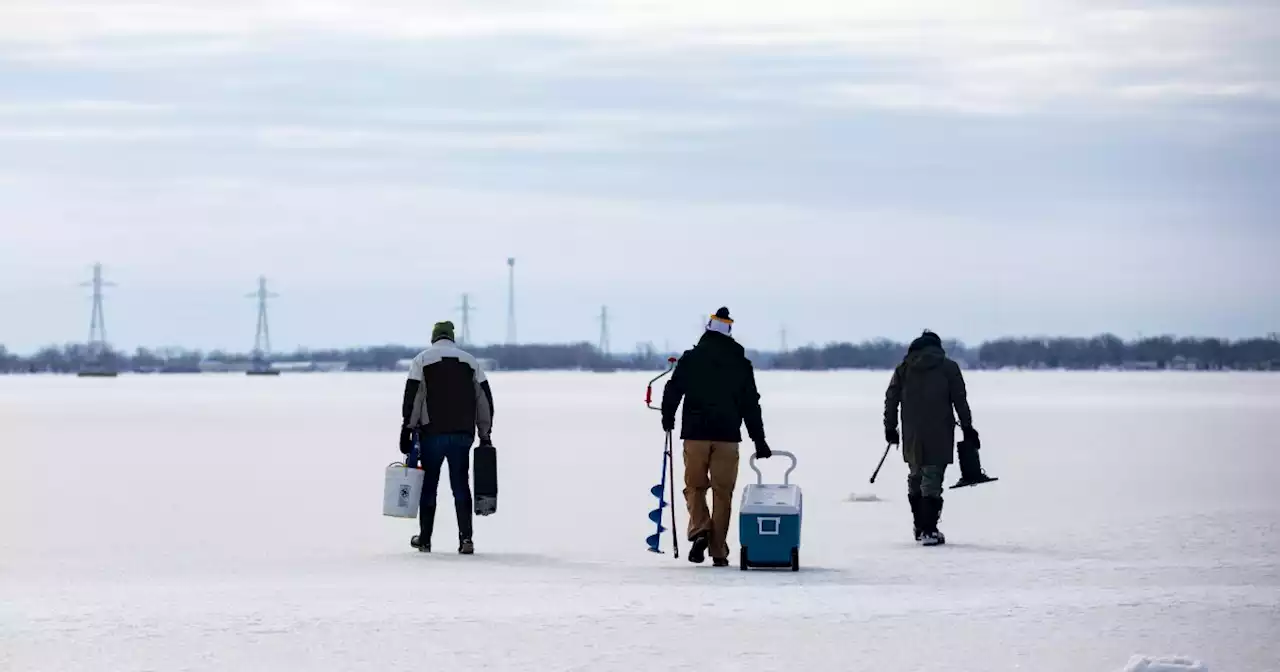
442, 330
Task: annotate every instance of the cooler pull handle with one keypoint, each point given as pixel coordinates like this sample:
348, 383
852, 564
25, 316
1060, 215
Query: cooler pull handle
786, 478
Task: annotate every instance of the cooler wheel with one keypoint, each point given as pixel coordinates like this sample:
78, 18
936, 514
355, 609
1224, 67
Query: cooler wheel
742, 558
795, 559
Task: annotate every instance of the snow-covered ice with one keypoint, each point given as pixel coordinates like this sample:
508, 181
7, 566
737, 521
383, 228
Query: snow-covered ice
234, 523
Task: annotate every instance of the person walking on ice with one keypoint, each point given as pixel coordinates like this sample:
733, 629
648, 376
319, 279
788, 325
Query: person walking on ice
446, 400
928, 385
717, 383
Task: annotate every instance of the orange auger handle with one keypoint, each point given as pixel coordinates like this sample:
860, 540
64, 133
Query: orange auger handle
648, 392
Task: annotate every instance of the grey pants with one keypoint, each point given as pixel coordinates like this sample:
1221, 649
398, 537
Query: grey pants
926, 481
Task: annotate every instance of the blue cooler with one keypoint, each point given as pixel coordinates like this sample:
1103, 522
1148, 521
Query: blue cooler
769, 521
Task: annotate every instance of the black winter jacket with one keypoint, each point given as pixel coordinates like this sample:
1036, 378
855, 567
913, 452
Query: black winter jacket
928, 385
718, 385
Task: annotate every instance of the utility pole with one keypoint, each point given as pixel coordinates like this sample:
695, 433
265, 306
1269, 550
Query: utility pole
93, 366
466, 309
262, 337
97, 321
604, 330
511, 300
783, 335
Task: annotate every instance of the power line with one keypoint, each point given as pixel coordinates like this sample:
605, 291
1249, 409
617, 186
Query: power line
97, 321
511, 300
466, 309
604, 330
262, 336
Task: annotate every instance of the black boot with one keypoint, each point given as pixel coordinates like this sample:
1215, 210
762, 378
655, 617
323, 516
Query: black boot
971, 472
698, 551
463, 509
426, 521
932, 513
916, 509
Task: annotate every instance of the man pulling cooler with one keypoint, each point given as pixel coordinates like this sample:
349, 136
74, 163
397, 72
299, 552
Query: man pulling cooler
717, 383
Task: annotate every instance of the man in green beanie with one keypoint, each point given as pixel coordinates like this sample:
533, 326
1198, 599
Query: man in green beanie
447, 400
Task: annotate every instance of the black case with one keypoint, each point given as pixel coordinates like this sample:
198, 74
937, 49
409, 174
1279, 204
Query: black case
485, 490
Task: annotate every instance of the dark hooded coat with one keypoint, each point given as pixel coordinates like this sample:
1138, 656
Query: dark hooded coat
718, 386
927, 385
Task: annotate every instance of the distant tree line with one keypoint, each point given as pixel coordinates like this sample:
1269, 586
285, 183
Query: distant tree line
72, 357
1099, 352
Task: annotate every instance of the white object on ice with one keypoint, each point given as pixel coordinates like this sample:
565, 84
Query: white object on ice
1164, 664
862, 497
402, 490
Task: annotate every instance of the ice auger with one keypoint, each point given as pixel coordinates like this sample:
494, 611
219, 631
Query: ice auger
668, 466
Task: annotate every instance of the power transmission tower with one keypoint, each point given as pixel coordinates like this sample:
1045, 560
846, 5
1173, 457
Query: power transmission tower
466, 309
98, 321
604, 330
262, 337
511, 300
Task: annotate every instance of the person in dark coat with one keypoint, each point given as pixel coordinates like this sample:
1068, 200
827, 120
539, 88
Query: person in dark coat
717, 383
928, 385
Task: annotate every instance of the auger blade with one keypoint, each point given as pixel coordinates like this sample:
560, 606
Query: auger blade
653, 540
656, 516
657, 490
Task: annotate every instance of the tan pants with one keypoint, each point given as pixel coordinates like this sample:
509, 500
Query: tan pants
713, 465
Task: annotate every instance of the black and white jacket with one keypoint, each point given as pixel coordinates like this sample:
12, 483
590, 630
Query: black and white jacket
447, 393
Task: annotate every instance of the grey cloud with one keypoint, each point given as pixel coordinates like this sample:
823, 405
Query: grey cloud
1108, 169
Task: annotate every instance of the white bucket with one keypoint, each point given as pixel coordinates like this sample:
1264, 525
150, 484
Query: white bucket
402, 491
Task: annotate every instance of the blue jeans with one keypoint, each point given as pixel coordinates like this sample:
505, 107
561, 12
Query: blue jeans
436, 449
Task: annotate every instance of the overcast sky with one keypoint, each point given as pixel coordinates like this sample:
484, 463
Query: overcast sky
846, 169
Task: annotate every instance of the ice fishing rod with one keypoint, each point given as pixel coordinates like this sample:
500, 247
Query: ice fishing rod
668, 466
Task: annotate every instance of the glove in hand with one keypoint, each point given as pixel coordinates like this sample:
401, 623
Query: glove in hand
762, 450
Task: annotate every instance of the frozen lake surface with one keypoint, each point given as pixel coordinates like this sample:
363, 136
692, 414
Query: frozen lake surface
233, 523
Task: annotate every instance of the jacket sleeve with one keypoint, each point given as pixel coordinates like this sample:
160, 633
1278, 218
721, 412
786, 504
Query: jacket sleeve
410, 397
484, 401
483, 381
959, 396
750, 406
892, 397
484, 410
673, 392
412, 385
